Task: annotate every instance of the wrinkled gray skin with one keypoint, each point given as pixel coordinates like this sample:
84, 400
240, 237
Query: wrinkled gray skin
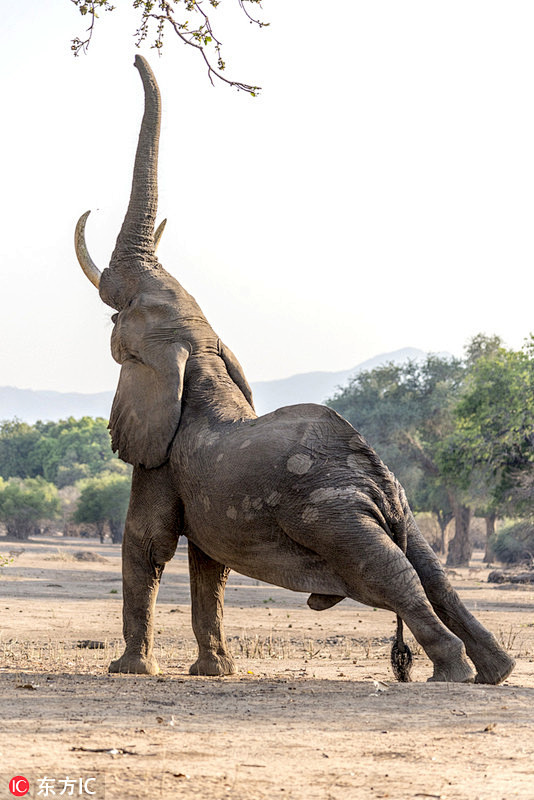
295, 498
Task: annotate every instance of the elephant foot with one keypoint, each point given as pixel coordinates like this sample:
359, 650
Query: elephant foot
460, 672
135, 665
213, 664
496, 672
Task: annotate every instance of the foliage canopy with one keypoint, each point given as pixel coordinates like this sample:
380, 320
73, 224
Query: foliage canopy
60, 452
37, 460
23, 504
105, 499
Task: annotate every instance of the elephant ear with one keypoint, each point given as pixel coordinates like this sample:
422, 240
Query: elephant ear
147, 406
235, 371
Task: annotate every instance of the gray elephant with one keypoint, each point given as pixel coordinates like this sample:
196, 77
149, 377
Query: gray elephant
296, 498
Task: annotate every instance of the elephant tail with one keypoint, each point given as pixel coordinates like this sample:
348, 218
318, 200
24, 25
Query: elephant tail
401, 656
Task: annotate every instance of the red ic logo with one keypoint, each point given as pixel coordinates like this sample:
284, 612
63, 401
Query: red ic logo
19, 786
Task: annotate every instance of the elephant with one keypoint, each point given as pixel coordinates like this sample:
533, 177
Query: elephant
296, 498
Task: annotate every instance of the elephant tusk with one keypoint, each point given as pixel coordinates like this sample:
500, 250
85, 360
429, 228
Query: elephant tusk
86, 262
159, 233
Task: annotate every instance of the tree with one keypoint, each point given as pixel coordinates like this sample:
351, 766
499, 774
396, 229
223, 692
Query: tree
490, 455
72, 449
105, 500
186, 18
459, 435
24, 504
17, 450
61, 452
406, 411
496, 412
481, 346
432, 496
471, 487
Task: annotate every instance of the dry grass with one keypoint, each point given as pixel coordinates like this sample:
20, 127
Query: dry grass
56, 656
60, 555
84, 657
306, 648
78, 555
73, 656
513, 640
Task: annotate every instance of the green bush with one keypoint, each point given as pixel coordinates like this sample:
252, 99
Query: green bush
515, 542
24, 504
60, 452
104, 499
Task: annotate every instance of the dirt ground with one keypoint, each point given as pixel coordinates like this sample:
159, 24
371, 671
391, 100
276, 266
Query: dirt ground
312, 713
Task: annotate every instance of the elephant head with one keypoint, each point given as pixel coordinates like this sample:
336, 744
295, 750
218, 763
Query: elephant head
158, 325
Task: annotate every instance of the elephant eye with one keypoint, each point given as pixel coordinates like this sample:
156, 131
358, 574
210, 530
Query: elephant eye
114, 318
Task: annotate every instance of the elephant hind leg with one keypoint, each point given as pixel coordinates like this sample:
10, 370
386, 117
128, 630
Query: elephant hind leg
492, 662
375, 571
388, 583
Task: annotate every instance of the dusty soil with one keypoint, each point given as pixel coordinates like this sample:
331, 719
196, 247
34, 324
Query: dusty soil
312, 713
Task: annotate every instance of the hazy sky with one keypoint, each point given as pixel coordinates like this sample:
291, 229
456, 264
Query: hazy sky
379, 194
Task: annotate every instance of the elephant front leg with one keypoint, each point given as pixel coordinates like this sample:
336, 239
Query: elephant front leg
208, 581
150, 539
140, 581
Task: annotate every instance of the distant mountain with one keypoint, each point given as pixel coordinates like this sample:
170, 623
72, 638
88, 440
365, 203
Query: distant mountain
29, 405
310, 387
317, 387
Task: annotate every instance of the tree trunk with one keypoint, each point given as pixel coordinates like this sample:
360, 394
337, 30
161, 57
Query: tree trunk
116, 532
444, 541
443, 521
101, 532
489, 555
460, 548
20, 531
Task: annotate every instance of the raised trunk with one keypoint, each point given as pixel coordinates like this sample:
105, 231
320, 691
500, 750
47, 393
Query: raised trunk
460, 547
489, 555
135, 242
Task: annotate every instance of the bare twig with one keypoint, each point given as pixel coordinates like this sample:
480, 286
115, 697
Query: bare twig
252, 19
81, 45
426, 462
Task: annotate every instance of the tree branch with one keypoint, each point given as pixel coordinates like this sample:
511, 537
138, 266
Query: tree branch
419, 454
202, 38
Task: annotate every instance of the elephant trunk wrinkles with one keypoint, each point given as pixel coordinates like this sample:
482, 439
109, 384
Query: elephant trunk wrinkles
135, 247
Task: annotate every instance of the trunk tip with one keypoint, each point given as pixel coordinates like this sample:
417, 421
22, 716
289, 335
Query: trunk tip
140, 62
